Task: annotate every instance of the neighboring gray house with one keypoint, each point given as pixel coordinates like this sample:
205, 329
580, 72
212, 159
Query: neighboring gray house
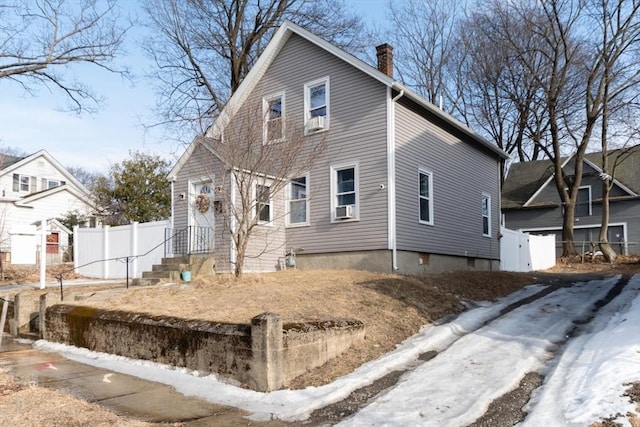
530, 201
402, 185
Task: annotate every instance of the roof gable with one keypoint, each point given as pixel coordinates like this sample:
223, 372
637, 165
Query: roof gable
526, 180
200, 140
278, 41
275, 46
22, 161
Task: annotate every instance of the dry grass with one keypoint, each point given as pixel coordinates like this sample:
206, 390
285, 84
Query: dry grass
392, 307
24, 274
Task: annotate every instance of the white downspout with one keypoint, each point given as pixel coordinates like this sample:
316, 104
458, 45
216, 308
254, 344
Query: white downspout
391, 176
232, 219
173, 202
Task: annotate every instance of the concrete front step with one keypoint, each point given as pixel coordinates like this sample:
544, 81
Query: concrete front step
170, 267
169, 275
175, 260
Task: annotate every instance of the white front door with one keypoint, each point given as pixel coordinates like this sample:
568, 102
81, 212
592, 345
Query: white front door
201, 218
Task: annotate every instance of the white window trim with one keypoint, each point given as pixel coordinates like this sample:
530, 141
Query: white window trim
307, 103
588, 187
256, 203
308, 205
57, 183
20, 190
334, 190
488, 197
265, 116
427, 172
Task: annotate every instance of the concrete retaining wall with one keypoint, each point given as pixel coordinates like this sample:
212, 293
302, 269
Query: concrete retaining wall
264, 355
381, 261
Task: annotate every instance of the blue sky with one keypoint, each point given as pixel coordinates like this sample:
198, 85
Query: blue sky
94, 142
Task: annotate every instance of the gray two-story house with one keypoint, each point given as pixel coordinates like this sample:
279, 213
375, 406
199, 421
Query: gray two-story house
400, 186
530, 201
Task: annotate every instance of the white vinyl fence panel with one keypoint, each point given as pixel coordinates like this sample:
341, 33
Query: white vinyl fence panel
526, 252
104, 252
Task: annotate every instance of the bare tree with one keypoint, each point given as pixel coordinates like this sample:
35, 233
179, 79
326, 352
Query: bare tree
616, 68
502, 96
260, 158
41, 39
203, 49
424, 34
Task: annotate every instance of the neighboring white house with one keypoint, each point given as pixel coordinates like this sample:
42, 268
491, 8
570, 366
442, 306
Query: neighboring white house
34, 188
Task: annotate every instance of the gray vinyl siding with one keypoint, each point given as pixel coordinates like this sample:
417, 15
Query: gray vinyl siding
549, 220
202, 165
267, 243
357, 134
461, 172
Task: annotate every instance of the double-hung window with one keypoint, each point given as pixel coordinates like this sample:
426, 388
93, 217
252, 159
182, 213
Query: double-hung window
425, 196
263, 204
21, 183
298, 201
486, 215
316, 105
344, 189
583, 202
273, 118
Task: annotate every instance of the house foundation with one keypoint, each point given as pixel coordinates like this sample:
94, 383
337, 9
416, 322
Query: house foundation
408, 262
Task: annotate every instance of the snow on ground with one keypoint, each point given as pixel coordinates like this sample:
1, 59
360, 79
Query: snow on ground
586, 383
524, 338
455, 388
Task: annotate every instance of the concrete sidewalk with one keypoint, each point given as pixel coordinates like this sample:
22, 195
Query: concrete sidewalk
122, 394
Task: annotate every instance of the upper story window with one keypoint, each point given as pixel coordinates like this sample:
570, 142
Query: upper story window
22, 183
51, 183
263, 204
274, 117
298, 201
344, 189
486, 215
425, 196
316, 105
583, 203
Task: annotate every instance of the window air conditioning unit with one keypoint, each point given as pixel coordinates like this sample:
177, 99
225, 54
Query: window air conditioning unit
344, 212
316, 123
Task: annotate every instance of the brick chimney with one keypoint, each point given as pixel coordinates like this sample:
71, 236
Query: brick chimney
384, 52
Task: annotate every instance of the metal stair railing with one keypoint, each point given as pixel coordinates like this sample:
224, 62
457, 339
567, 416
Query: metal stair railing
188, 241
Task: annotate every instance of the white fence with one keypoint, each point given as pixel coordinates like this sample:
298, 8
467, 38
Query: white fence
104, 252
526, 252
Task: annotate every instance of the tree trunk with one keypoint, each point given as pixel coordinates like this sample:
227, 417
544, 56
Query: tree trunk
606, 249
568, 248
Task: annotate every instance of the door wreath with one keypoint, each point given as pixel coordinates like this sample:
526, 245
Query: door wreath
202, 203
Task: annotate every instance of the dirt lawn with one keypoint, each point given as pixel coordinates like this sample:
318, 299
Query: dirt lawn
392, 307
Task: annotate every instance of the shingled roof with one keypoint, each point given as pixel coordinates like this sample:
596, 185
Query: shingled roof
525, 178
6, 160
